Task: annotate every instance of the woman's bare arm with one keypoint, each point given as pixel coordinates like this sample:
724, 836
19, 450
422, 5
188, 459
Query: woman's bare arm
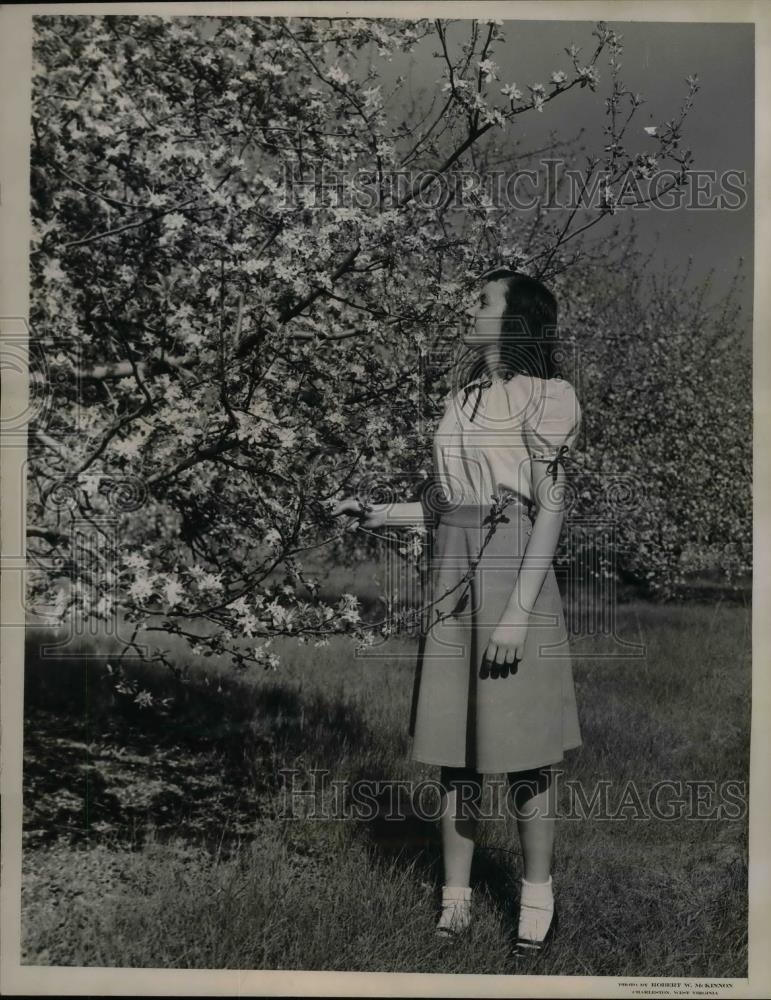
548, 494
408, 515
392, 515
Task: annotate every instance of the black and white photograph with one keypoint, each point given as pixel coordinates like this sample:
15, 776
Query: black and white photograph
378, 437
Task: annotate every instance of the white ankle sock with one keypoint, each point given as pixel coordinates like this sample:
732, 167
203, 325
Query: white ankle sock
456, 908
536, 906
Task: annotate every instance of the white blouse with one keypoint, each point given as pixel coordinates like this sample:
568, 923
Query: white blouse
487, 436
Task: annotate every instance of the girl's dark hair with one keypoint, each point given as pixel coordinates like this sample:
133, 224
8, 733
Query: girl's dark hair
529, 327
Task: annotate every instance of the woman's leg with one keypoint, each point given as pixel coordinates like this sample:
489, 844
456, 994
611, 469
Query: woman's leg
534, 800
461, 794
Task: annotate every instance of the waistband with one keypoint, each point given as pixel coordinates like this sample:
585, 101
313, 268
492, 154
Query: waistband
475, 515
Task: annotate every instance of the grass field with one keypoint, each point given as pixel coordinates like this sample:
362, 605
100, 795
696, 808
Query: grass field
163, 840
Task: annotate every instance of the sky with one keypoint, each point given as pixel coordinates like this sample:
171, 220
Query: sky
657, 58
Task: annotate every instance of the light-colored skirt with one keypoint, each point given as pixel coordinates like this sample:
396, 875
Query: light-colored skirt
461, 714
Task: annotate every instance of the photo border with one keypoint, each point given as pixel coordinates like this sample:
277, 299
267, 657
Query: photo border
15, 80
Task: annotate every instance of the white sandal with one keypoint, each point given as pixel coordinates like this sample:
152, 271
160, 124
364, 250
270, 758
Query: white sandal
456, 910
536, 900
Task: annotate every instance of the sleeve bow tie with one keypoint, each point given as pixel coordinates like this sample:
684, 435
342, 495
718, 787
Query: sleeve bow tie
559, 459
480, 385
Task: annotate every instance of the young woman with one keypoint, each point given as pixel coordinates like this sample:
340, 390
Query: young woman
494, 686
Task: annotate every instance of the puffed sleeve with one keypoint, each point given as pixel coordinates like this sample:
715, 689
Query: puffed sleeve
552, 426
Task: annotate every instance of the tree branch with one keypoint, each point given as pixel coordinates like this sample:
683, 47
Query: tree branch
129, 225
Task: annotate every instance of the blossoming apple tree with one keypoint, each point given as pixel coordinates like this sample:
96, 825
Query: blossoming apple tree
236, 311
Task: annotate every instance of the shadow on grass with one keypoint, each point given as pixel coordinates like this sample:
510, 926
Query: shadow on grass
111, 754
398, 833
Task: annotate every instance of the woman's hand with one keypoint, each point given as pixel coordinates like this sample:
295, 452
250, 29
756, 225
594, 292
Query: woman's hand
369, 515
506, 645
